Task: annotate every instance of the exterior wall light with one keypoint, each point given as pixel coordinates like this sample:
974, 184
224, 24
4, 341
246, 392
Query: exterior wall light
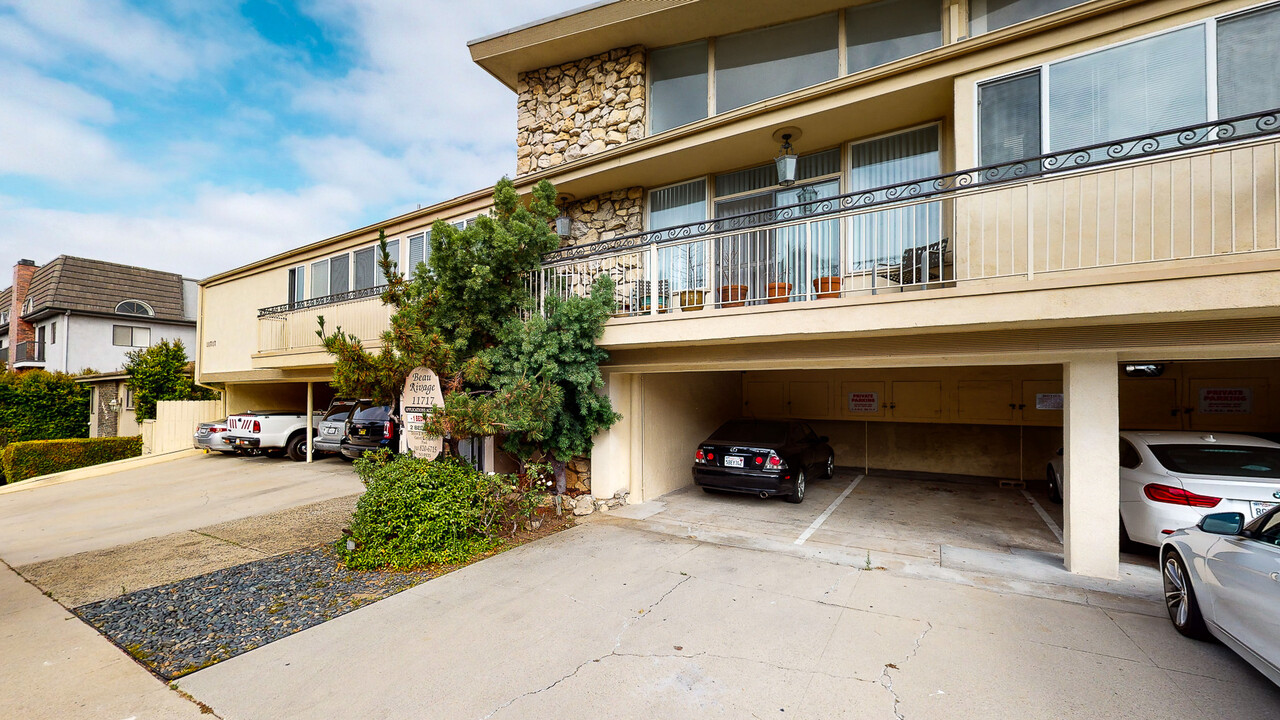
114, 405
563, 225
786, 163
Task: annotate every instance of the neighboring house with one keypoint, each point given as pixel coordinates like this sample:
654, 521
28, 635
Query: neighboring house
75, 313
954, 235
111, 412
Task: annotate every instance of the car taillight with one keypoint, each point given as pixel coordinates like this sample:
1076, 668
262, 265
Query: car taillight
711, 456
759, 460
386, 429
700, 456
217, 429
1178, 496
775, 461
257, 426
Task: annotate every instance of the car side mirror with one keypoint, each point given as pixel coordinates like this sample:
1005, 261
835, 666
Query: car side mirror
1231, 523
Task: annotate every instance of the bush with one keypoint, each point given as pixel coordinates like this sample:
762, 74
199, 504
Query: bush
415, 512
23, 460
40, 405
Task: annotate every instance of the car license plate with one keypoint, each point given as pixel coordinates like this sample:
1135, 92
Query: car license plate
330, 431
362, 431
1259, 507
731, 461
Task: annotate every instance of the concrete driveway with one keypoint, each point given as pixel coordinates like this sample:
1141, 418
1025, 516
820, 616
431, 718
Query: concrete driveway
132, 505
608, 620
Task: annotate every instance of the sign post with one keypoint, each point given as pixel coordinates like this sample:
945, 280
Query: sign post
421, 394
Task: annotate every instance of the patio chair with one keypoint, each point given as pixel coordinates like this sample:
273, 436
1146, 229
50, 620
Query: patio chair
918, 265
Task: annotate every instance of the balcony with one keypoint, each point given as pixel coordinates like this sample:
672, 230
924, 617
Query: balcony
28, 354
291, 328
1187, 196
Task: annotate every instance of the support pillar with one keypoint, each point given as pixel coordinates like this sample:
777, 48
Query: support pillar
611, 454
310, 419
1091, 463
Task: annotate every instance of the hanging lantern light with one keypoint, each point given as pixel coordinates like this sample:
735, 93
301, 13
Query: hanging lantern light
786, 163
563, 225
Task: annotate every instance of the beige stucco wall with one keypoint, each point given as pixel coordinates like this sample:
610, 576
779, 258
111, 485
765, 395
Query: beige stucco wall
675, 413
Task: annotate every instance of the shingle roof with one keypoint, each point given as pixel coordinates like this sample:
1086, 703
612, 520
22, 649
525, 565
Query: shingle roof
72, 283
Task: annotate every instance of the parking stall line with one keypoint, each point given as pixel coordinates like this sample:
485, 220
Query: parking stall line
1053, 526
827, 513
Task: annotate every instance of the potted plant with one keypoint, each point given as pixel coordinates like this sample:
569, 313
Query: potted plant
731, 294
827, 284
780, 292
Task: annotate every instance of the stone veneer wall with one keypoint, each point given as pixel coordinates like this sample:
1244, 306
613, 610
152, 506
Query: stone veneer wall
579, 108
606, 216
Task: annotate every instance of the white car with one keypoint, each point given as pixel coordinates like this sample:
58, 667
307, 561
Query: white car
1169, 480
1222, 579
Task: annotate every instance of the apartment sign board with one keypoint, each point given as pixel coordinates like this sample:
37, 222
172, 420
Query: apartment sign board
421, 394
1049, 401
864, 402
1237, 401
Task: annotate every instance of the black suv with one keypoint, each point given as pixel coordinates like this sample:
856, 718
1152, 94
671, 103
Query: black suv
370, 427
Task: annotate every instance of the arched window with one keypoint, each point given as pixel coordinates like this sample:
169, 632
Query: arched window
135, 307
27, 305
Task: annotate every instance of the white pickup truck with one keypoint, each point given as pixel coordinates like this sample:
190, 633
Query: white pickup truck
272, 432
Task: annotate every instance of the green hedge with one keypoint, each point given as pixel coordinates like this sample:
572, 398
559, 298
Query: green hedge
23, 460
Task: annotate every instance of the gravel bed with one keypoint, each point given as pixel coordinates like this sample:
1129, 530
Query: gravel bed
180, 627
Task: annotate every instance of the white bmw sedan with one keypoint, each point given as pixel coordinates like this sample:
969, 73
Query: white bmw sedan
1169, 480
1222, 579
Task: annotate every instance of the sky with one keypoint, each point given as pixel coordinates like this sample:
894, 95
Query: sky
195, 136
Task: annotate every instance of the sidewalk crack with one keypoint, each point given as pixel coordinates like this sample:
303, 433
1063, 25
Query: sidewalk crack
886, 678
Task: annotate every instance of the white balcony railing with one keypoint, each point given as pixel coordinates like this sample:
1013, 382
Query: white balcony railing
1206, 190
283, 329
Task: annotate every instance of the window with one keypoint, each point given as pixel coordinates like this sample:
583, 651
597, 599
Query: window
677, 85
135, 307
53, 333
882, 237
759, 64
889, 30
320, 278
297, 285
129, 336
988, 15
366, 273
339, 274
1129, 456
128, 397
393, 252
4, 317
419, 250
1009, 119
1248, 64
27, 305
682, 266
1140, 87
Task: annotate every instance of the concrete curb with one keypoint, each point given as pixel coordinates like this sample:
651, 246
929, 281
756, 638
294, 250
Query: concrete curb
94, 471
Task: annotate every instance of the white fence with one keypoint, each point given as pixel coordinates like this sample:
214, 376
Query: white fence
175, 425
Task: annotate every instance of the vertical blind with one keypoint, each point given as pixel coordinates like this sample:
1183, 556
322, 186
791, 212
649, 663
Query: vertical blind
339, 274
1009, 119
320, 278
366, 269
681, 266
1249, 62
759, 64
890, 30
677, 85
419, 250
881, 237
1140, 87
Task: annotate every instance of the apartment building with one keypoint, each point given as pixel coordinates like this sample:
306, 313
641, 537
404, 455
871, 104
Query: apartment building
954, 235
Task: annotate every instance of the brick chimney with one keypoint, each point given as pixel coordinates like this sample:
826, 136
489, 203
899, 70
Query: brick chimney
19, 329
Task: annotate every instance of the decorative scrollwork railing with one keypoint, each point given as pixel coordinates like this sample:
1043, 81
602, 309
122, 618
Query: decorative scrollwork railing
1142, 146
322, 301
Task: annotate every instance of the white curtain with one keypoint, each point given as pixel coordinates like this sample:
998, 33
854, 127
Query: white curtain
880, 237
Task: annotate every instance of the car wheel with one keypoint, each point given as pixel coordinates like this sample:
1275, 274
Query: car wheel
1055, 485
831, 466
798, 495
297, 448
1180, 598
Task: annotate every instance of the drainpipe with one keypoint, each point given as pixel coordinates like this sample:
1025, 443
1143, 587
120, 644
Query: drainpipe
66, 343
310, 419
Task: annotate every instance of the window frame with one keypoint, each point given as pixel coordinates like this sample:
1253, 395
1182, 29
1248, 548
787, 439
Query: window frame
132, 335
1210, 25
150, 311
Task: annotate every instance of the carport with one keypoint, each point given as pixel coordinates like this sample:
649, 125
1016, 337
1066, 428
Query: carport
936, 455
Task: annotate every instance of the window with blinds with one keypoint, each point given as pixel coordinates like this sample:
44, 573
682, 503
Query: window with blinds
366, 269
678, 204
320, 278
1248, 62
1141, 87
419, 250
1009, 119
677, 86
882, 32
808, 167
881, 237
759, 64
339, 274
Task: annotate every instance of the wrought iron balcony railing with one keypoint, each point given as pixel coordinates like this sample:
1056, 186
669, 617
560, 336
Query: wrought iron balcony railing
31, 351
322, 301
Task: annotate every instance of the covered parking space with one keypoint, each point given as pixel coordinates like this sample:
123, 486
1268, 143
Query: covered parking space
947, 449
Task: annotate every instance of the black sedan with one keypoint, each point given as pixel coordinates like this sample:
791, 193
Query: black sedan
762, 457
370, 427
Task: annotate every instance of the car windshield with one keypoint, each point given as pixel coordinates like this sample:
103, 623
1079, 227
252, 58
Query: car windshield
761, 431
373, 412
1228, 460
338, 412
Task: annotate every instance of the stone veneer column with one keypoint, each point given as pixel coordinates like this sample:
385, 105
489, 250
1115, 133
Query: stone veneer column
580, 108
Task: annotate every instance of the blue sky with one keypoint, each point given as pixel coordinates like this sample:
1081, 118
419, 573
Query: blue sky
196, 135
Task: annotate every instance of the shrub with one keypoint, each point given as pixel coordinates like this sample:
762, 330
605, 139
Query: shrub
23, 460
40, 405
415, 512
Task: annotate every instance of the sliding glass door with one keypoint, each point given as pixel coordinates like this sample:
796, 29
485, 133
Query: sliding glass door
879, 239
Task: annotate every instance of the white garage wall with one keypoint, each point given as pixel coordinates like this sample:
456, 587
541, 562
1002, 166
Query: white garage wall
680, 410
